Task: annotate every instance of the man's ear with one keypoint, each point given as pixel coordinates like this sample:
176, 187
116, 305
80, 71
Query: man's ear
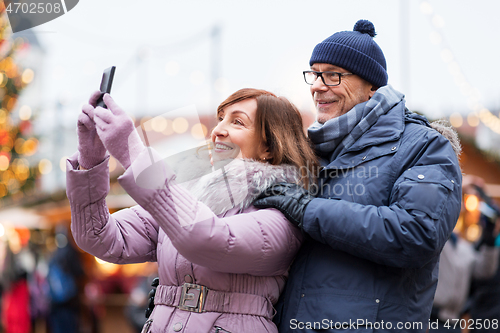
373, 90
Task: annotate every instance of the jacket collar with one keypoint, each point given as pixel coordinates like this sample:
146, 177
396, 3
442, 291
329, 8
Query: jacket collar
381, 139
231, 183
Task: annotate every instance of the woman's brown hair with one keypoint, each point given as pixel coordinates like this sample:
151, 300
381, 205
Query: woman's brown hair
279, 125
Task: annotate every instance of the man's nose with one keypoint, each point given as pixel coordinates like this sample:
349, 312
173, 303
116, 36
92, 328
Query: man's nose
318, 85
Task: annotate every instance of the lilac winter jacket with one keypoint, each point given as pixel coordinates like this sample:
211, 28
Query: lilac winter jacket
240, 254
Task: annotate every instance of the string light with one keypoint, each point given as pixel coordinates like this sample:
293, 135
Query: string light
477, 110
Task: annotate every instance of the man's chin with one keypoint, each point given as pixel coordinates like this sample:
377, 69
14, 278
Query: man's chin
323, 116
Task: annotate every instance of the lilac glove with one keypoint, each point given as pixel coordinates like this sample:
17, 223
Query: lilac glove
90, 148
117, 132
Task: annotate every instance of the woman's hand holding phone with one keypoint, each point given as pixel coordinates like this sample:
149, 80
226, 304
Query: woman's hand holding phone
117, 132
90, 148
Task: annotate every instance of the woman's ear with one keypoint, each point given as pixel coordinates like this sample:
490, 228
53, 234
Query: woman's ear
265, 155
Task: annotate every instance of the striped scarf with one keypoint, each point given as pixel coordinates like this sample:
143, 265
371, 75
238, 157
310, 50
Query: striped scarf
337, 135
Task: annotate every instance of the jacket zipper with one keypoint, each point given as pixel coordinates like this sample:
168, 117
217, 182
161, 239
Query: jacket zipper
220, 329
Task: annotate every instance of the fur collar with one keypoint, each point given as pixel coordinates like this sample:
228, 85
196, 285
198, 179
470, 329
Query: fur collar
231, 183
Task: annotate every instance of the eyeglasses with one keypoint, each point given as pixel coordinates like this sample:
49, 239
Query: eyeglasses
328, 78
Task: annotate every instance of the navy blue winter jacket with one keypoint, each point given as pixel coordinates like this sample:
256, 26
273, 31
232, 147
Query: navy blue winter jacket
374, 235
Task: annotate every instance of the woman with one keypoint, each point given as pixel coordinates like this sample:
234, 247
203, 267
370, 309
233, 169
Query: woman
222, 263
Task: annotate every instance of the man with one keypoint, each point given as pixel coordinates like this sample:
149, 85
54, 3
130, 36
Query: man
389, 197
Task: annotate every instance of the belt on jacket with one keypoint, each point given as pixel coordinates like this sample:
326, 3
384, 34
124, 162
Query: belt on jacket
198, 298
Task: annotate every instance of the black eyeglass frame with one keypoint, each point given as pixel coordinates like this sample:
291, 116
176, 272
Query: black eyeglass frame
320, 74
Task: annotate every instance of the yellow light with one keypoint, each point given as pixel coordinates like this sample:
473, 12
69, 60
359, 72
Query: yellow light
3, 79
4, 162
473, 233
3, 116
28, 75
19, 146
473, 120
3, 190
180, 125
460, 224
471, 203
25, 112
106, 267
45, 166
199, 131
159, 124
29, 147
62, 163
456, 120
7, 176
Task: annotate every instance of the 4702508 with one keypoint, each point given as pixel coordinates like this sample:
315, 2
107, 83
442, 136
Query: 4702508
33, 8
472, 324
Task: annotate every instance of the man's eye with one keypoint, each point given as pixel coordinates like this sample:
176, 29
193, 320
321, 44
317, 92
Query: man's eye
330, 76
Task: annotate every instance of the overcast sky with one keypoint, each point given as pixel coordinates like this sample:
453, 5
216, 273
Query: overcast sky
165, 56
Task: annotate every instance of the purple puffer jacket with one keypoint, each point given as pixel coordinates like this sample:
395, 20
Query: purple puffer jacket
241, 255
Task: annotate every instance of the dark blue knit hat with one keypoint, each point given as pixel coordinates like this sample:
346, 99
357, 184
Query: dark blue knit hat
355, 51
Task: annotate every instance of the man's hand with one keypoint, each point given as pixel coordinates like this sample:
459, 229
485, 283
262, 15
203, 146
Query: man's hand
290, 199
90, 148
117, 132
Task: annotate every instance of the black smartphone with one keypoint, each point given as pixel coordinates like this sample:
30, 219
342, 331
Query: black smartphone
106, 82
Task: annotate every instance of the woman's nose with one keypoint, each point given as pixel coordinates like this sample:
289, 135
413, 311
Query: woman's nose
219, 130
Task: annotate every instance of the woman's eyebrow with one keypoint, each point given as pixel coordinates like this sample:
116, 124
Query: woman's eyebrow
240, 112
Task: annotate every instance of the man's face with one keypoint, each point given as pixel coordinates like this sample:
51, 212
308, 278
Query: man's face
332, 102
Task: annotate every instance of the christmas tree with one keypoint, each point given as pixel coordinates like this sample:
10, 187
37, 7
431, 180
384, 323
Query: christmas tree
17, 143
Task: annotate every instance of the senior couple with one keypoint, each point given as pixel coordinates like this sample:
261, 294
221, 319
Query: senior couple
360, 256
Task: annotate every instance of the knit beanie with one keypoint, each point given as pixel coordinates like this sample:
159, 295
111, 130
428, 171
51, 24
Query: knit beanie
355, 51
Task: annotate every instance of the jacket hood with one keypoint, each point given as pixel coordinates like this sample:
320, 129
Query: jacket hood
232, 183
448, 132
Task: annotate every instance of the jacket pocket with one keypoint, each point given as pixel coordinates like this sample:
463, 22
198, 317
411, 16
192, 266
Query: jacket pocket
328, 312
425, 189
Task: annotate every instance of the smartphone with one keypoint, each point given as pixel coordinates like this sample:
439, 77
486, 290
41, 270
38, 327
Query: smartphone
106, 82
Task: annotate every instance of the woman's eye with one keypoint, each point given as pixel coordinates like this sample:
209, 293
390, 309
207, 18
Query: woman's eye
237, 121
220, 119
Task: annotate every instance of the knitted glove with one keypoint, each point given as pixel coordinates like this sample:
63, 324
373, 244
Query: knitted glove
290, 199
90, 148
117, 132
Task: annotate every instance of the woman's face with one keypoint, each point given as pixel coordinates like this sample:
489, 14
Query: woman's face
234, 136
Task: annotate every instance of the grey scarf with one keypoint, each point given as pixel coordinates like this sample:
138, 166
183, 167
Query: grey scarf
337, 135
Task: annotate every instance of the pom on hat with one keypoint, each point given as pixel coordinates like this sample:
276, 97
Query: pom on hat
365, 27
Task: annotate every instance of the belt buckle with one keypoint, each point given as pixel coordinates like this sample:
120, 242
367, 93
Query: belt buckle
193, 297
